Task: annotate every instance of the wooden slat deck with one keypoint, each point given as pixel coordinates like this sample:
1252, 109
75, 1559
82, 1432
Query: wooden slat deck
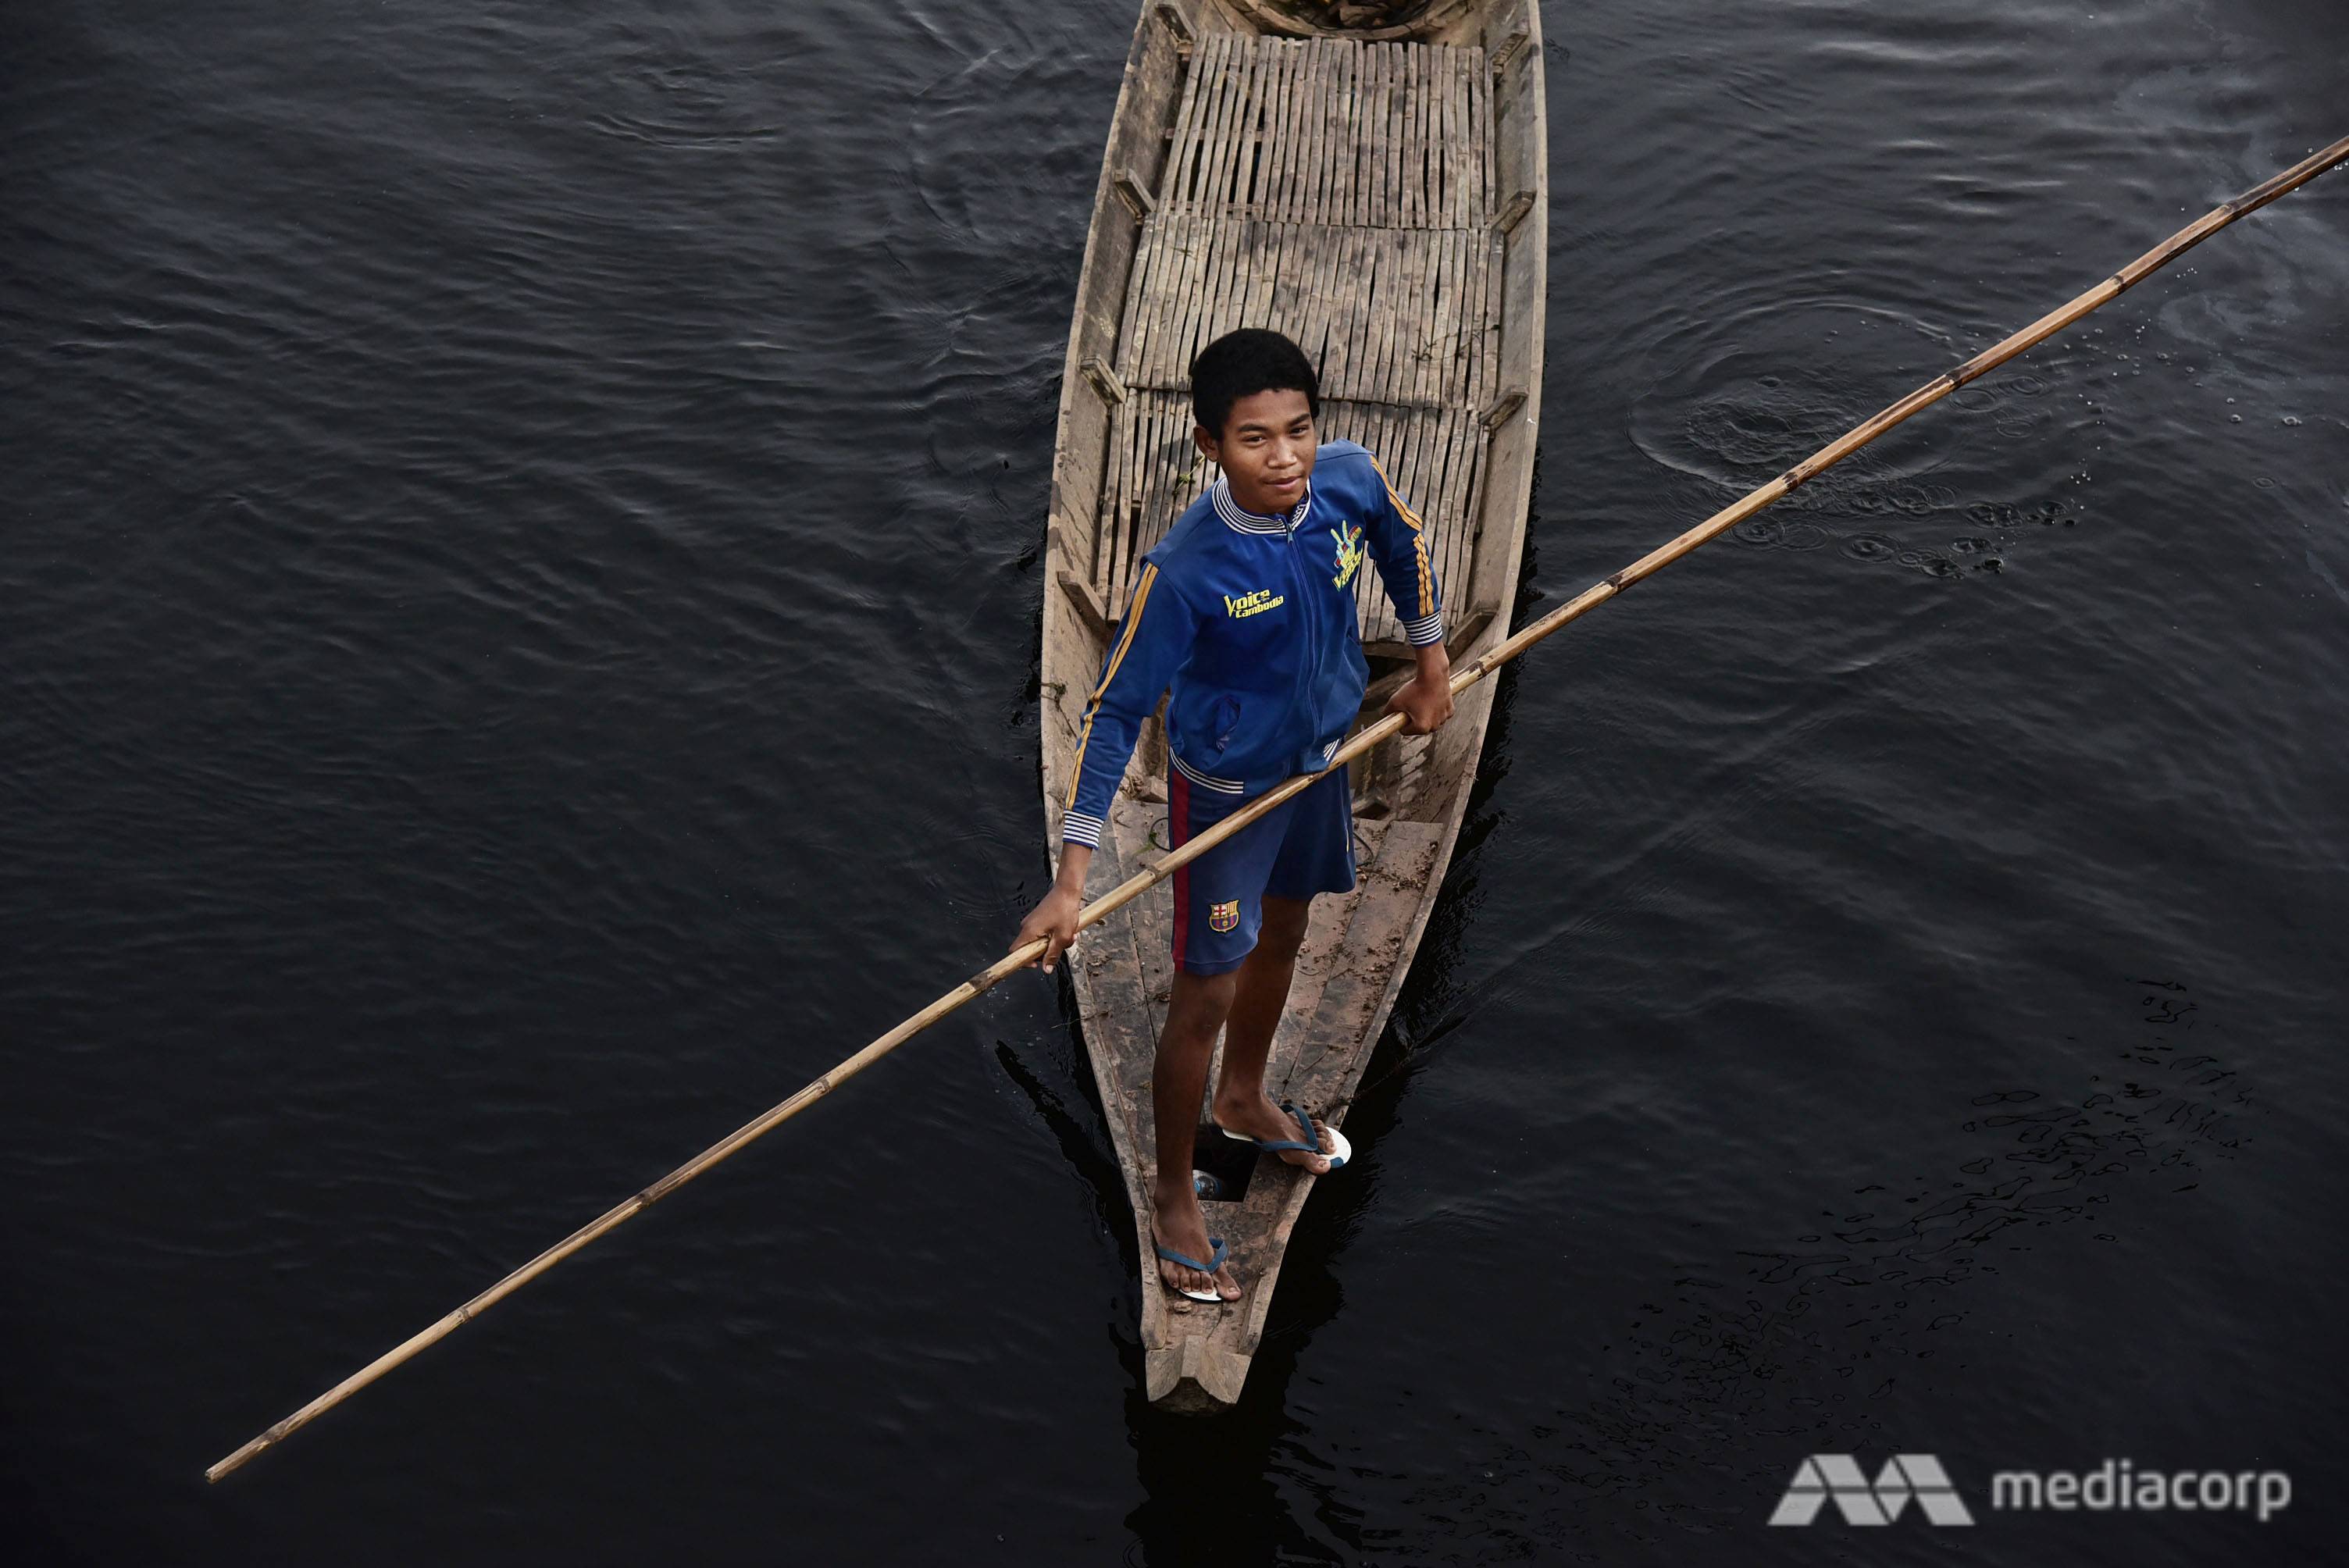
1386, 136
1341, 192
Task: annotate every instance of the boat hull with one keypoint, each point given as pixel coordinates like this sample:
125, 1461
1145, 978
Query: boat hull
1383, 199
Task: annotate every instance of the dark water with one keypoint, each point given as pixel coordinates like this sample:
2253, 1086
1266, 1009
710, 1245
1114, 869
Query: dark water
519, 624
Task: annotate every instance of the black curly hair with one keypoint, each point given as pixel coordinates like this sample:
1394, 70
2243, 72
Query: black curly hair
1240, 364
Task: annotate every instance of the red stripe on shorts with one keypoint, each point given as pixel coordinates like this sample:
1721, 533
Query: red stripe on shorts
1178, 829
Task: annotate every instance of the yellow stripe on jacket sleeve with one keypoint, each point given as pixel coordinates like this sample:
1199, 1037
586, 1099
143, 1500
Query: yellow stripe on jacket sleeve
1093, 704
1418, 539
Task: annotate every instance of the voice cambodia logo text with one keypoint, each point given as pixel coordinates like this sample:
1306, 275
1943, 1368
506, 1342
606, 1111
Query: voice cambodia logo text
2115, 1486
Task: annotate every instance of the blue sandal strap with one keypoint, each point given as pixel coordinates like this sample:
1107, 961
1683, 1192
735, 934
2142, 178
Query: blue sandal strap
1215, 1258
1280, 1145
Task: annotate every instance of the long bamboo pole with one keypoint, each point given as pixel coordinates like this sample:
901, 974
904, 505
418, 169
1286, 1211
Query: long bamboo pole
1133, 887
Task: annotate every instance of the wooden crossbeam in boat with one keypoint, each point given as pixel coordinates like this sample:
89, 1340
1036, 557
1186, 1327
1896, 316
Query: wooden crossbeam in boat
1134, 194
1104, 379
1506, 52
1508, 403
1172, 18
1088, 605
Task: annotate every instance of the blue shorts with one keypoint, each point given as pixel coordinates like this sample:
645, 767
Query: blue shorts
1301, 847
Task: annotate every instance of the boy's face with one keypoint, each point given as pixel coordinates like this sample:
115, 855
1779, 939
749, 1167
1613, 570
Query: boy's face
1266, 449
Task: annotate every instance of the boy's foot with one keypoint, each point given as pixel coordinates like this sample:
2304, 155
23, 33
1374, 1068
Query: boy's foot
1258, 1117
1180, 1226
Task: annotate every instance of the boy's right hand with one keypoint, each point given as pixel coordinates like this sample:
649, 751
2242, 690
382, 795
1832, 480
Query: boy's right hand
1054, 919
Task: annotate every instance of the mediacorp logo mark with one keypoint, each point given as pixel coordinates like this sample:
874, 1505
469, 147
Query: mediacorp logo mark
1904, 1476
2114, 1485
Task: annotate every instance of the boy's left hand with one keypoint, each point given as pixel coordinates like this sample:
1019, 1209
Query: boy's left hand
1425, 700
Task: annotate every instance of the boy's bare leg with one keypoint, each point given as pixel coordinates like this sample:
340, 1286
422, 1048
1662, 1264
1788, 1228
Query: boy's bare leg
1178, 1080
1258, 999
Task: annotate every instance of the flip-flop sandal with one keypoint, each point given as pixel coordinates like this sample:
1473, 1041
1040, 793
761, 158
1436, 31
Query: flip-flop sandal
1338, 1153
1215, 1261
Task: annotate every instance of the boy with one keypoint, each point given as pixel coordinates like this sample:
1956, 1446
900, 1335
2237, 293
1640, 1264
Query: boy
1246, 607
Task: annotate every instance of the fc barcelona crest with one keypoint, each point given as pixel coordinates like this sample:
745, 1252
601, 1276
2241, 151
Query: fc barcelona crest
1223, 916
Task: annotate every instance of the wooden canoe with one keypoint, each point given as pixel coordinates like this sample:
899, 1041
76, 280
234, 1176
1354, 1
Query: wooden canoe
1379, 193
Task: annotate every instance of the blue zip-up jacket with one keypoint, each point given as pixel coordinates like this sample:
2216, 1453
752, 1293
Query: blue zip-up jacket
1252, 620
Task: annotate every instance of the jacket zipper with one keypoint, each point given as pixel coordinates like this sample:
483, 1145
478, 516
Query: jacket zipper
1305, 604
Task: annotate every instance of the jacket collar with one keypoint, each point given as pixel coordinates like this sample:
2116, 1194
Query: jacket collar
1242, 521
